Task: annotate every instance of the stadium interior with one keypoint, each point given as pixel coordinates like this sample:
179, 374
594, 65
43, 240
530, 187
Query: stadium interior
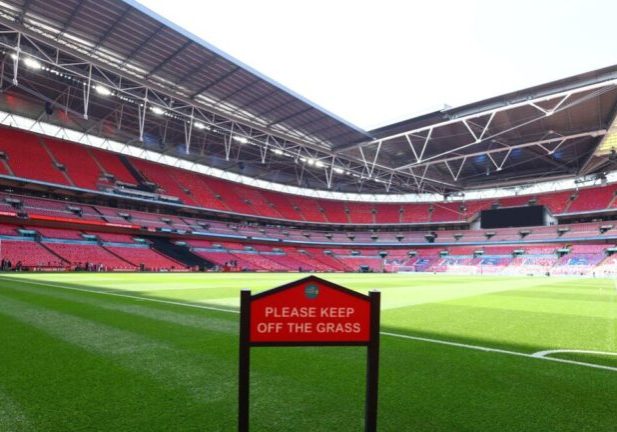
157, 152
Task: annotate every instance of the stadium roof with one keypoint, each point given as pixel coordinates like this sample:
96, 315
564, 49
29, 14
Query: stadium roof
118, 70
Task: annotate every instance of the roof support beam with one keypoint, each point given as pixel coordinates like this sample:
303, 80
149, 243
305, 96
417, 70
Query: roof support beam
540, 143
561, 96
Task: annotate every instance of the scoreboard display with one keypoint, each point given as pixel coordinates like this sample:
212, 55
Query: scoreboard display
513, 217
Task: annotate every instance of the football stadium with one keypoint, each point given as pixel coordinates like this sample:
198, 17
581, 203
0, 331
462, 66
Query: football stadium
147, 178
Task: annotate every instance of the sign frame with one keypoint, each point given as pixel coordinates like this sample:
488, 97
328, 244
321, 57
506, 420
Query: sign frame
372, 345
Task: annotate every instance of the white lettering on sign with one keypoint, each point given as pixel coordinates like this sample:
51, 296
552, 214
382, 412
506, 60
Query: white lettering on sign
290, 312
269, 327
336, 312
330, 327
308, 327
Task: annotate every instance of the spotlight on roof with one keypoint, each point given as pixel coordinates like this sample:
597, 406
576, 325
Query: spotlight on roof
200, 125
32, 63
277, 151
339, 170
103, 91
156, 110
240, 139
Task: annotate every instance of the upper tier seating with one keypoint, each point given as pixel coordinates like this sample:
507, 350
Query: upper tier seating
41, 158
163, 177
79, 165
556, 202
387, 213
415, 213
446, 212
58, 233
113, 237
360, 213
592, 199
28, 158
110, 163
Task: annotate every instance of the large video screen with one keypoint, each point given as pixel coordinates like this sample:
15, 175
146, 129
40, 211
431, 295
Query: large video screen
512, 217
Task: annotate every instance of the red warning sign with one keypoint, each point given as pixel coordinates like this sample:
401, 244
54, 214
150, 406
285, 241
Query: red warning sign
310, 311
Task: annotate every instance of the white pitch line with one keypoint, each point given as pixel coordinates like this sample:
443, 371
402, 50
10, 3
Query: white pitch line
500, 351
396, 335
576, 351
122, 295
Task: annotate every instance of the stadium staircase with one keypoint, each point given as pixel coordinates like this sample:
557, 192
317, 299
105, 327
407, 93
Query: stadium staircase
141, 180
178, 253
54, 253
56, 162
121, 258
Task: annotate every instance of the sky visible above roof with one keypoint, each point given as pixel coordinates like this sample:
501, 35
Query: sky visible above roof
375, 63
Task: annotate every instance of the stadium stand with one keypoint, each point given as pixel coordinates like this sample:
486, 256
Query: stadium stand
398, 227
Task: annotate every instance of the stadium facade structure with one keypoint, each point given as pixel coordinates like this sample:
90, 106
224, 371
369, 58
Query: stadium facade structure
129, 143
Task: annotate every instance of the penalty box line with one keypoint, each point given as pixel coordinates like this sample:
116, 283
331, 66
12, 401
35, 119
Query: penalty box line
384, 333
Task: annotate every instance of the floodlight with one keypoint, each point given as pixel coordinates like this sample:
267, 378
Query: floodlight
103, 91
32, 63
240, 139
156, 110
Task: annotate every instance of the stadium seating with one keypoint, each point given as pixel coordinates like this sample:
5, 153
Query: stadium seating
58, 233
30, 254
57, 161
113, 237
79, 254
27, 158
111, 164
592, 199
415, 213
62, 162
78, 163
556, 202
446, 212
360, 213
145, 256
163, 177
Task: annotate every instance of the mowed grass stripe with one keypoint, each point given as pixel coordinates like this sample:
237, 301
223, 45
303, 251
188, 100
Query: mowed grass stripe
424, 386
164, 352
465, 344
12, 417
117, 294
62, 387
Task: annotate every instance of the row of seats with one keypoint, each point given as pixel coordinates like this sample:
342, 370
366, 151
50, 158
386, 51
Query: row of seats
64, 210
57, 161
122, 255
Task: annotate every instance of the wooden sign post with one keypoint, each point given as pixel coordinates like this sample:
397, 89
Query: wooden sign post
309, 312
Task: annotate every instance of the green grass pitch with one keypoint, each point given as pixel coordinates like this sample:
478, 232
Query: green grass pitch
132, 352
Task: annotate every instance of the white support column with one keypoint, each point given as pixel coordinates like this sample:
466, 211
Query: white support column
375, 159
87, 87
188, 132
227, 140
428, 138
263, 150
413, 149
142, 109
16, 60
330, 173
488, 124
473, 134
